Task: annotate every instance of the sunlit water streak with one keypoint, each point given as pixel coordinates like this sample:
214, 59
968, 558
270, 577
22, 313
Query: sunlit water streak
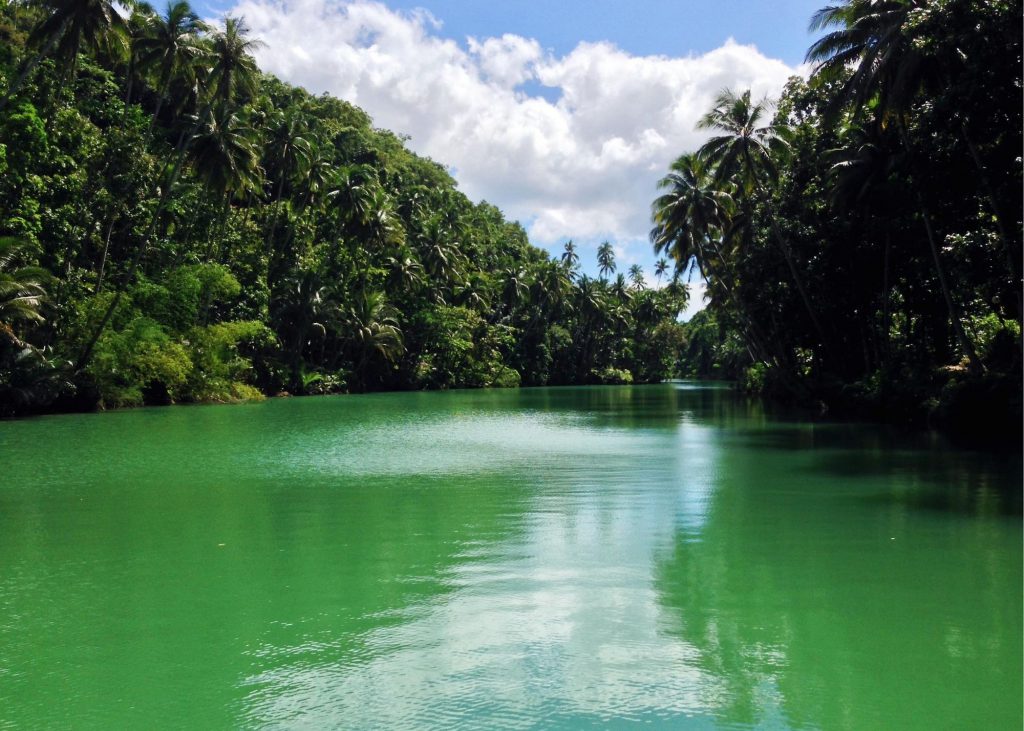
549, 558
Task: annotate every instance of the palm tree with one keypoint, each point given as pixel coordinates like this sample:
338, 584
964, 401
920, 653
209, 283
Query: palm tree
605, 259
636, 277
690, 218
70, 25
226, 158
876, 39
744, 153
661, 269
440, 255
513, 288
552, 287
570, 259
692, 211
234, 70
171, 48
351, 194
303, 303
620, 288
234, 75
373, 333
139, 27
21, 290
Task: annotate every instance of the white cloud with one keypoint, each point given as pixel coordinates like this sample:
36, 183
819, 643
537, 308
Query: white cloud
582, 166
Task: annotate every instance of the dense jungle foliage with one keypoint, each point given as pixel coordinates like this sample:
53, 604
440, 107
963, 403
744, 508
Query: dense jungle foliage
177, 226
861, 237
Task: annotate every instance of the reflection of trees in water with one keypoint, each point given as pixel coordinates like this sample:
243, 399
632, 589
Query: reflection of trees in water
823, 574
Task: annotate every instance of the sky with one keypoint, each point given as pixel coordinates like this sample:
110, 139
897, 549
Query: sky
564, 114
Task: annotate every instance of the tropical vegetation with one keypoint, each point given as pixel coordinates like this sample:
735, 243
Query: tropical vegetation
178, 226
860, 238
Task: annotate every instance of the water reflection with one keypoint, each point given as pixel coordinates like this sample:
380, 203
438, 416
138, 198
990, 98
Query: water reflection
544, 558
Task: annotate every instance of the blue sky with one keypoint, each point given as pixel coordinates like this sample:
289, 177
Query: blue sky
565, 114
668, 27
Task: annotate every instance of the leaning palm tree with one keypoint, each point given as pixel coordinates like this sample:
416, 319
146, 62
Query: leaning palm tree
660, 269
690, 218
21, 291
690, 213
70, 26
745, 153
875, 39
171, 48
230, 70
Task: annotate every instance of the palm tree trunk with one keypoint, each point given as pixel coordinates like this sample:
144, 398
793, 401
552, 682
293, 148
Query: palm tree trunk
954, 313
103, 259
165, 197
986, 184
31, 65
787, 254
886, 305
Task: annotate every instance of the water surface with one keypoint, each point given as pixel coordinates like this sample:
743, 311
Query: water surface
665, 556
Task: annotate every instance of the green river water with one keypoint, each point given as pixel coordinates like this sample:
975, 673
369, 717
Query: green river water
664, 556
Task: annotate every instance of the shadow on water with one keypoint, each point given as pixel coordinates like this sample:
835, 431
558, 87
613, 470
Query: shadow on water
829, 586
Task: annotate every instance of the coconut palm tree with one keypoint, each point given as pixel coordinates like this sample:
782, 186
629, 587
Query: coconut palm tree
139, 26
234, 76
373, 334
620, 288
660, 269
570, 258
636, 277
745, 154
233, 70
692, 211
876, 39
605, 259
690, 219
171, 48
70, 26
351, 194
21, 290
226, 158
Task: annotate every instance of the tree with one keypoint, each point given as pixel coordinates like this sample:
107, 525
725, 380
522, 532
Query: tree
745, 153
660, 269
636, 277
570, 258
21, 290
171, 48
605, 259
234, 76
372, 334
70, 25
877, 40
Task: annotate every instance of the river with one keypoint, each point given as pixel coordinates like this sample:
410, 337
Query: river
664, 556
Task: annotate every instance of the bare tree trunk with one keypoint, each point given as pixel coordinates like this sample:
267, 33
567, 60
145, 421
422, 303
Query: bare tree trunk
990, 195
103, 259
165, 196
954, 313
31, 65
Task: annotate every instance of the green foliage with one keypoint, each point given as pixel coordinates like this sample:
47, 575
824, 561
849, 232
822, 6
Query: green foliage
862, 246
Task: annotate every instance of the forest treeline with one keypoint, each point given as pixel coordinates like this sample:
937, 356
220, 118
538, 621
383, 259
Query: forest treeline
176, 226
861, 237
